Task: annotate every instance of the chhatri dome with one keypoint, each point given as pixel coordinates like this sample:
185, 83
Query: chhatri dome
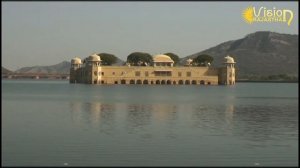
94, 57
189, 61
162, 58
76, 60
229, 59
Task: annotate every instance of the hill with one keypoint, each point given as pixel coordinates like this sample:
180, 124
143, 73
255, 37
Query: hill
258, 54
61, 68
5, 71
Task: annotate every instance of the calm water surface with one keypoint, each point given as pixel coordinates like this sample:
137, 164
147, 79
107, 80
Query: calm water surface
54, 123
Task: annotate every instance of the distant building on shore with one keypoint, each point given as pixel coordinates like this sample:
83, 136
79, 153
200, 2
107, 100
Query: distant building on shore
162, 72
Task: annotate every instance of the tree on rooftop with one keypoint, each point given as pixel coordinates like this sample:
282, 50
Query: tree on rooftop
107, 59
203, 60
173, 56
139, 59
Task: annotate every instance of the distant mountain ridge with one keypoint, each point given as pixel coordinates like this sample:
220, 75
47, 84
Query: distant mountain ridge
5, 71
60, 68
259, 53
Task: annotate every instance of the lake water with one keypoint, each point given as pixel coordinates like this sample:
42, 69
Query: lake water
54, 123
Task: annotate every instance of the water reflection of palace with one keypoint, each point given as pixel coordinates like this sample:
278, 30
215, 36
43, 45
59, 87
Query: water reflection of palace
253, 122
92, 112
135, 115
139, 115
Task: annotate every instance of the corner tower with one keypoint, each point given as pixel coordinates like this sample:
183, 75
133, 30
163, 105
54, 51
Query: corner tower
230, 70
74, 70
93, 68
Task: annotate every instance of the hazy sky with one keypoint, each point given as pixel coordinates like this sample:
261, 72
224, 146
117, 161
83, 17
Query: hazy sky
46, 33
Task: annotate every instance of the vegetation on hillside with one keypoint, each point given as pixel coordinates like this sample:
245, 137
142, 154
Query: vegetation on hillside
259, 53
278, 77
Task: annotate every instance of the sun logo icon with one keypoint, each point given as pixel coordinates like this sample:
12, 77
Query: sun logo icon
248, 15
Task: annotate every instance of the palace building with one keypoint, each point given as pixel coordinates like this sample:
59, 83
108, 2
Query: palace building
162, 72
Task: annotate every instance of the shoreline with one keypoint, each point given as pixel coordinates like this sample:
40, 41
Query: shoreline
265, 81
237, 81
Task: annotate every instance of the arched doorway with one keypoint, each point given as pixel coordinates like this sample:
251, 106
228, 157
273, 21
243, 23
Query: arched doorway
169, 82
187, 82
157, 82
194, 82
132, 81
174, 82
123, 81
180, 82
139, 81
202, 82
163, 82
145, 82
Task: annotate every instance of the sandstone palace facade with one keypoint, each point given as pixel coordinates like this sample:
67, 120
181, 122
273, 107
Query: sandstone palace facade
162, 72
